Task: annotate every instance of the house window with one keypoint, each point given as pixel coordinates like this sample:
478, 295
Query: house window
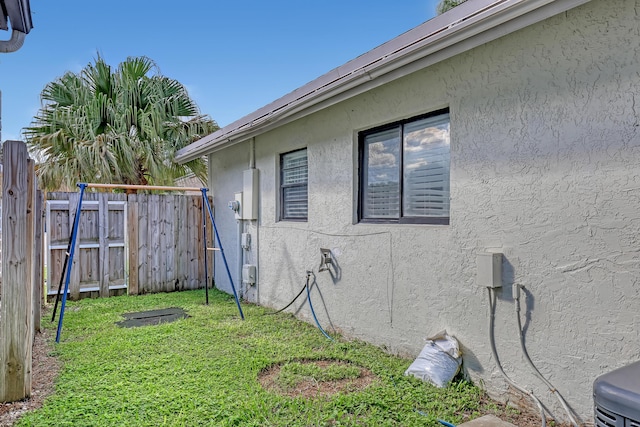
293, 185
404, 171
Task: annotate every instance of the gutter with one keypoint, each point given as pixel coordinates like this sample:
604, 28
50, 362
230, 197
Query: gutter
14, 43
469, 25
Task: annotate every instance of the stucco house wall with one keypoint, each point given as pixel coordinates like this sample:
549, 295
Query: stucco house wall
545, 155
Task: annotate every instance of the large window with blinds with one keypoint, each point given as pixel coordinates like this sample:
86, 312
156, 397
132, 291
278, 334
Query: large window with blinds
404, 171
293, 185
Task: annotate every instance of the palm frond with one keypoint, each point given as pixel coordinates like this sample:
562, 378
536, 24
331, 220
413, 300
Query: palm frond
115, 125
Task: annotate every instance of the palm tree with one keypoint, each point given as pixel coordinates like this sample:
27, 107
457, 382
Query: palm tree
446, 5
115, 126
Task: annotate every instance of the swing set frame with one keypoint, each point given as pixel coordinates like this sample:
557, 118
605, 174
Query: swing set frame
66, 272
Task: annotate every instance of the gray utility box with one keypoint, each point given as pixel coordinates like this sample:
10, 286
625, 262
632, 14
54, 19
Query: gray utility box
616, 397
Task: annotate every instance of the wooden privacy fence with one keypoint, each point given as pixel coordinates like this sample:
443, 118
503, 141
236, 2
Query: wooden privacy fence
136, 243
21, 291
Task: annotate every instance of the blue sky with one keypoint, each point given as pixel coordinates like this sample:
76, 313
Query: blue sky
233, 56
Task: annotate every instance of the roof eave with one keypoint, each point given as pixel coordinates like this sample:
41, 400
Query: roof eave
489, 20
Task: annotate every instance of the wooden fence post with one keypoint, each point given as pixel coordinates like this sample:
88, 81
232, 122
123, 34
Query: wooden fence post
16, 327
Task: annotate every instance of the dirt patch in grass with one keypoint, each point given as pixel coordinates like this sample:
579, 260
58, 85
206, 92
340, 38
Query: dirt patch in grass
524, 416
310, 386
45, 368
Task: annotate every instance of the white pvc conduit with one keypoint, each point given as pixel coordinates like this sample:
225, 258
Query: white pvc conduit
492, 315
552, 389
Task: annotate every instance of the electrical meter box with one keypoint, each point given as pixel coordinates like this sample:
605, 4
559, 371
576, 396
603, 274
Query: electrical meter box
250, 191
236, 205
489, 269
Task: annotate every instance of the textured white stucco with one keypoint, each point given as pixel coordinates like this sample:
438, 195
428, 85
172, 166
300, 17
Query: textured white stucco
544, 168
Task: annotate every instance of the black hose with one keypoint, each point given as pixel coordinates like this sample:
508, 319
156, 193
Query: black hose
315, 318
292, 301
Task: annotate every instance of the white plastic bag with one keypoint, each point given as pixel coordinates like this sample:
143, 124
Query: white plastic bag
438, 362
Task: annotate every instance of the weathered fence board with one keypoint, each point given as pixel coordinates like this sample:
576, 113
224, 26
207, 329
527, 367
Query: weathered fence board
20, 210
183, 250
38, 264
133, 244
143, 242
153, 243
74, 286
96, 267
103, 242
31, 248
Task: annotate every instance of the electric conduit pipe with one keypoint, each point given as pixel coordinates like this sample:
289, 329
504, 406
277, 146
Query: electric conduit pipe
492, 315
241, 285
552, 389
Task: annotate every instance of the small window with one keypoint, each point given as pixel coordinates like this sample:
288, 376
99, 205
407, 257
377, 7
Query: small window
404, 171
293, 185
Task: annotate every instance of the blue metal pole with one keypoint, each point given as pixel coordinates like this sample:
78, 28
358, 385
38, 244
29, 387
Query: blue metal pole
224, 258
74, 236
204, 239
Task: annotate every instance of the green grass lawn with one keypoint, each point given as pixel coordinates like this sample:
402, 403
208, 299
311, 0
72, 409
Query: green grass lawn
204, 370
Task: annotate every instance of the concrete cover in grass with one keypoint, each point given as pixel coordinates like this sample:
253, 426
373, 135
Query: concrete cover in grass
152, 317
487, 421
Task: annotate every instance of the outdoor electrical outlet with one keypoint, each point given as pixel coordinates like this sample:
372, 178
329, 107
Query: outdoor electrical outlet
249, 274
516, 290
489, 269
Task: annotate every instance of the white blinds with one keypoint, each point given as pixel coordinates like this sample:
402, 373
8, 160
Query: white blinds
294, 185
426, 168
382, 174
